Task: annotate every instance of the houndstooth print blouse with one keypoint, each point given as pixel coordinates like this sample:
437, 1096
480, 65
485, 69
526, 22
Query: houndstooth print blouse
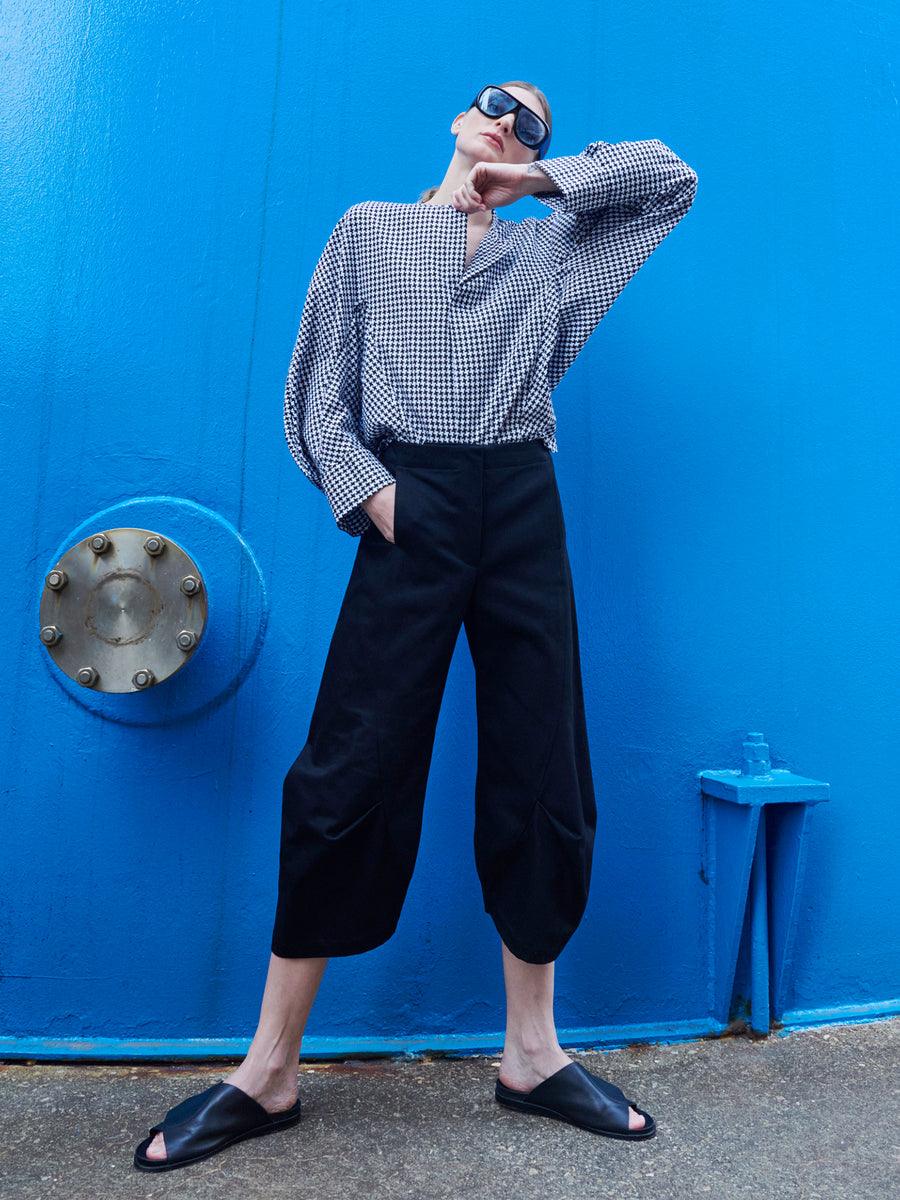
400, 341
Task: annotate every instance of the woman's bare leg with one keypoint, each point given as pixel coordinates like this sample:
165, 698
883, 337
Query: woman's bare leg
531, 1051
269, 1072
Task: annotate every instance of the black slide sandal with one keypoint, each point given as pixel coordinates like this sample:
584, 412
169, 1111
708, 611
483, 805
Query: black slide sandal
576, 1096
203, 1125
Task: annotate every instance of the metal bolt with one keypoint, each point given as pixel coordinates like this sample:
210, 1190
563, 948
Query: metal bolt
87, 676
143, 678
186, 640
154, 545
756, 755
99, 543
56, 580
50, 635
190, 585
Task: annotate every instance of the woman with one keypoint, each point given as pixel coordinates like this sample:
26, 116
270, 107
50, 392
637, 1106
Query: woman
418, 400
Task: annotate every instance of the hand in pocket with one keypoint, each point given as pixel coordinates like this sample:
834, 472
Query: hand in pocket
379, 507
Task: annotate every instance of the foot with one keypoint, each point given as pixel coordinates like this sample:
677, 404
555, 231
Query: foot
275, 1092
523, 1074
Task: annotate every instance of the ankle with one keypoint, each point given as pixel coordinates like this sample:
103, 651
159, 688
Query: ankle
532, 1042
523, 1066
267, 1070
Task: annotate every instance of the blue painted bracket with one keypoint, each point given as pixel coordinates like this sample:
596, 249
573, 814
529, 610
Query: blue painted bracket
757, 831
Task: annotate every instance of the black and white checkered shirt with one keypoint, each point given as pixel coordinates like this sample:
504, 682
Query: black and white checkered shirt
399, 340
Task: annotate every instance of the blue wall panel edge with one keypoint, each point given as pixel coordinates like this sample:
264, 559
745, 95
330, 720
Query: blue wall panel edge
112, 1049
607, 1037
840, 1014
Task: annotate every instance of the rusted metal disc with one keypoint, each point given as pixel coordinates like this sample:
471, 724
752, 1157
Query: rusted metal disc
118, 609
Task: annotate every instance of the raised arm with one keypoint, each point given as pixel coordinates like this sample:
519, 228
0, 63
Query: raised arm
613, 205
494, 185
602, 176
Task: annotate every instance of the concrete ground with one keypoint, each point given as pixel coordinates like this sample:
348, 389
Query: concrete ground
811, 1116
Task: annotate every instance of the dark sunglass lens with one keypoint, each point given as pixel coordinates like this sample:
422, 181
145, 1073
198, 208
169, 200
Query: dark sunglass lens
495, 103
529, 129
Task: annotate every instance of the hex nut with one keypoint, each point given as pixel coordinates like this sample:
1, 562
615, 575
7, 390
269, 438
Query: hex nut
143, 678
190, 585
154, 545
99, 543
50, 635
56, 580
186, 640
87, 676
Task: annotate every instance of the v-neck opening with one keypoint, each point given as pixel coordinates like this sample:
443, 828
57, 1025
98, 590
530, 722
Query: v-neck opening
476, 254
457, 266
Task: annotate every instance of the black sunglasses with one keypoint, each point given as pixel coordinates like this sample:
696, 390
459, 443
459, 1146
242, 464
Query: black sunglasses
528, 127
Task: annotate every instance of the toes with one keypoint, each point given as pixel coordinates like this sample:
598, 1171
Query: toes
157, 1148
635, 1120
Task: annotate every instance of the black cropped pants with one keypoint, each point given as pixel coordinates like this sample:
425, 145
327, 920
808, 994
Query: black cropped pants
480, 541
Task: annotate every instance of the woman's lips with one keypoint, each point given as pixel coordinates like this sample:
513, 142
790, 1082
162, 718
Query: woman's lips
495, 140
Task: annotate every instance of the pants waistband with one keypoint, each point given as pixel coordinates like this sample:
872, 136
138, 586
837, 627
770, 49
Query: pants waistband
455, 454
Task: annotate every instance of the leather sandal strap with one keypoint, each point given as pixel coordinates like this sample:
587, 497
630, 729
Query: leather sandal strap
200, 1123
584, 1098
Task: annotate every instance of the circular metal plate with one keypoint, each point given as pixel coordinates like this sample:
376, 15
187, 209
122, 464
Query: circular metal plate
238, 613
121, 611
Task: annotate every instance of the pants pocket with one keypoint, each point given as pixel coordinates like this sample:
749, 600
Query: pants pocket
399, 491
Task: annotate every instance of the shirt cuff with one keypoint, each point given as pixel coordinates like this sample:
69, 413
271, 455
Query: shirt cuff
348, 486
578, 179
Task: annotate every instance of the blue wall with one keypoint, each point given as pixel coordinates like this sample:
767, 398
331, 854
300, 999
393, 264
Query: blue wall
728, 466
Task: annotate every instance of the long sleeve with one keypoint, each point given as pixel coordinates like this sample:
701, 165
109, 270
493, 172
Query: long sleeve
321, 401
615, 204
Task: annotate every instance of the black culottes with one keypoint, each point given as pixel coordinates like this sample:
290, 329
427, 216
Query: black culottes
480, 541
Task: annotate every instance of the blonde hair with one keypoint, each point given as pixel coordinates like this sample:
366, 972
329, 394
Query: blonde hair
429, 193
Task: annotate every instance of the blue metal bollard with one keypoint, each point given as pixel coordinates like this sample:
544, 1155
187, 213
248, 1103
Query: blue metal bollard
757, 836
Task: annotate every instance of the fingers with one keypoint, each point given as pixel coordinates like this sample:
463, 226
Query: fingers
490, 185
467, 199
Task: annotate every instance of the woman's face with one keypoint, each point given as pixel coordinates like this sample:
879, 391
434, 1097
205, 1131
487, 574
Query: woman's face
491, 139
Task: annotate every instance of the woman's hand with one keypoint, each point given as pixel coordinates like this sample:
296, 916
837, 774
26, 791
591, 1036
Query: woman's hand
379, 508
493, 185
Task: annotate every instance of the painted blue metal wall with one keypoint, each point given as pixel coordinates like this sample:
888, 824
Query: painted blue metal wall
729, 465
